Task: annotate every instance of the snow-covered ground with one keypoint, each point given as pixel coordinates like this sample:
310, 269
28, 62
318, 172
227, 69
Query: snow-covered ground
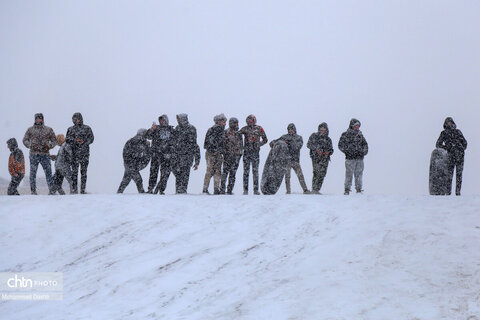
245, 257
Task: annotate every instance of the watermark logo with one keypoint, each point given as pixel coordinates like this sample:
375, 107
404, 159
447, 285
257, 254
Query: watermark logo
31, 286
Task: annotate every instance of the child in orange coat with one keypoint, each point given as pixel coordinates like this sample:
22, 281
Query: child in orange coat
16, 166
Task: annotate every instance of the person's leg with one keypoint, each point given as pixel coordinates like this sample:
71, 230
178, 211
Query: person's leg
125, 181
154, 166
316, 181
217, 173
137, 178
322, 172
47, 168
450, 170
255, 164
83, 171
459, 171
287, 177
165, 171
34, 161
210, 170
227, 167
75, 167
358, 172
349, 167
14, 183
232, 173
246, 171
298, 170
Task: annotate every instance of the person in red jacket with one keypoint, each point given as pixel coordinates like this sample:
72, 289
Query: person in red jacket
16, 166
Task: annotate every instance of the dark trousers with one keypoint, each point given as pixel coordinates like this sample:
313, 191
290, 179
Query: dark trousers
456, 165
182, 172
14, 183
254, 159
230, 166
131, 174
320, 166
44, 160
83, 164
162, 162
58, 181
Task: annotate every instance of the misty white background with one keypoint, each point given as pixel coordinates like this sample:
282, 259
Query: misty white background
400, 67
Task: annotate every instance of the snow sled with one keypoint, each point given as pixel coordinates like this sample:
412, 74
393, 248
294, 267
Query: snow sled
438, 184
275, 167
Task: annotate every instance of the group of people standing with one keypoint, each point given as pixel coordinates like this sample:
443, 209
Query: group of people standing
73, 154
175, 150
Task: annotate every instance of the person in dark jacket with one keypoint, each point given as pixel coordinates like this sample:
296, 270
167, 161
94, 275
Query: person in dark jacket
215, 148
186, 152
40, 139
136, 156
16, 166
232, 155
163, 141
254, 138
452, 140
295, 143
80, 137
355, 147
321, 149
63, 165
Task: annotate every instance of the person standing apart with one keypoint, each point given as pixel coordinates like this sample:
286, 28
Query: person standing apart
355, 147
40, 139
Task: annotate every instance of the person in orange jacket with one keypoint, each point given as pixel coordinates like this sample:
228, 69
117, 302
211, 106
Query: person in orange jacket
16, 166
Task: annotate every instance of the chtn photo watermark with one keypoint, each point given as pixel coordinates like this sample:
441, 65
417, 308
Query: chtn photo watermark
38, 286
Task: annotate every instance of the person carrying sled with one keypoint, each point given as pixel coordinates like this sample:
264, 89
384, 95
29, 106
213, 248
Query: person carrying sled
63, 166
233, 153
254, 138
136, 156
355, 147
187, 152
16, 166
40, 139
452, 140
163, 142
321, 149
215, 148
295, 143
80, 137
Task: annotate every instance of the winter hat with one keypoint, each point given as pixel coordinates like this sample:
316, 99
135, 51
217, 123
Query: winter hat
60, 139
12, 143
163, 117
142, 132
451, 126
182, 118
78, 115
251, 118
219, 117
354, 122
38, 116
291, 126
323, 125
233, 123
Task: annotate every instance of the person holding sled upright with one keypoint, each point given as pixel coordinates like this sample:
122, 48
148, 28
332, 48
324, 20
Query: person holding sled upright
16, 166
452, 140
215, 148
321, 149
80, 137
40, 139
136, 156
295, 143
355, 147
254, 138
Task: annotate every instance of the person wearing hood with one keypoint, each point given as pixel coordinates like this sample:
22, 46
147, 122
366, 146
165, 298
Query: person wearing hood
187, 152
80, 137
321, 149
232, 155
452, 140
63, 165
136, 156
355, 147
163, 140
16, 166
40, 139
295, 143
254, 138
215, 148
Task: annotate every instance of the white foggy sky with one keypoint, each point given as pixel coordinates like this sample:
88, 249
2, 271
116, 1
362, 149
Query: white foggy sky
400, 67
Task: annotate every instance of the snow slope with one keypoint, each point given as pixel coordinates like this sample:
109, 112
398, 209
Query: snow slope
246, 257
